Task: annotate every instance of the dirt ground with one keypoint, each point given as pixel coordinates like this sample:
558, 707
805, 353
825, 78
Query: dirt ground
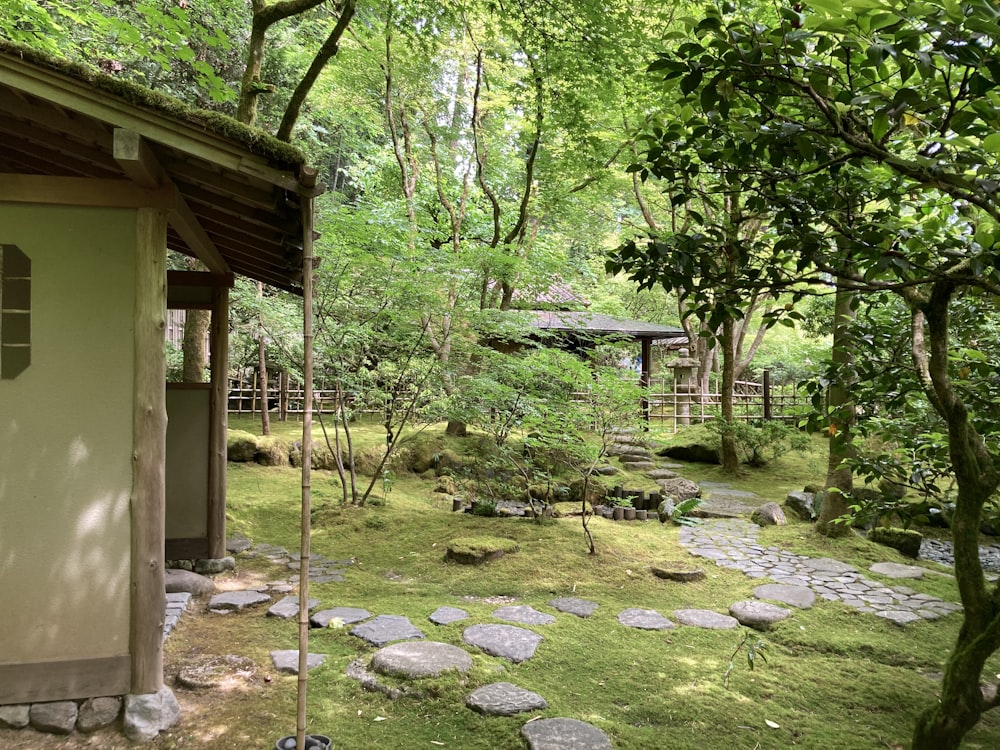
235, 713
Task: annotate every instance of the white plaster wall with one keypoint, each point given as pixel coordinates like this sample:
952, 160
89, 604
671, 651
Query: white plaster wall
66, 440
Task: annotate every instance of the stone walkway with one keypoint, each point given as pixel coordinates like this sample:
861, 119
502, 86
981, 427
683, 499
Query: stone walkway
732, 543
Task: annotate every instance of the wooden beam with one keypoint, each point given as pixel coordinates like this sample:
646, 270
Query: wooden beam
41, 682
149, 453
138, 161
82, 97
219, 422
82, 191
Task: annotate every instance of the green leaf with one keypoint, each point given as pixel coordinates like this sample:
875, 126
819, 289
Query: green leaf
992, 143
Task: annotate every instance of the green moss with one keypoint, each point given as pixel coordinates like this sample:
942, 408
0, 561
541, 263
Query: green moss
475, 550
241, 447
906, 541
281, 154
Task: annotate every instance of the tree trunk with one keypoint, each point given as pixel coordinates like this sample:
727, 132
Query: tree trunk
194, 349
943, 725
839, 477
730, 458
456, 428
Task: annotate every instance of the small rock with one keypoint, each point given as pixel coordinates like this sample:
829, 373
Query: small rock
661, 474
504, 699
58, 717
15, 715
769, 514
238, 544
564, 734
447, 615
758, 615
897, 570
149, 714
524, 614
98, 712
385, 629
237, 600
679, 488
288, 607
346, 616
574, 606
219, 565
797, 596
287, 661
179, 581
801, 504
644, 619
705, 618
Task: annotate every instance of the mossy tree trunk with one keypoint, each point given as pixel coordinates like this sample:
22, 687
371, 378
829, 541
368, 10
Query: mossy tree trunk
730, 458
943, 725
839, 477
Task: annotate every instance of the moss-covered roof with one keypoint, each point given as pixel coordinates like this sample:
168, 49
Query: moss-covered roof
258, 142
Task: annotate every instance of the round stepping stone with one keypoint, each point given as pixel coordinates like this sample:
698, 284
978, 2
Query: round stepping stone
424, 659
231, 601
504, 699
897, 570
705, 618
564, 734
288, 607
506, 641
209, 672
796, 596
758, 615
345, 615
644, 619
386, 629
524, 614
287, 660
574, 606
447, 615
679, 573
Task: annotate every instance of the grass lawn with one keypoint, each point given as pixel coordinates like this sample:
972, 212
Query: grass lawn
834, 677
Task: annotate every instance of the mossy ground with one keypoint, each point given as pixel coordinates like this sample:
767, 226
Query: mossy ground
834, 677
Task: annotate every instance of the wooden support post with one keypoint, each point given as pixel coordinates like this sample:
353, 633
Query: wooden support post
148, 601
218, 422
647, 356
767, 396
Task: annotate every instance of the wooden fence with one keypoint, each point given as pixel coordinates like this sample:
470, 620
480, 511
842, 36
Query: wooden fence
664, 405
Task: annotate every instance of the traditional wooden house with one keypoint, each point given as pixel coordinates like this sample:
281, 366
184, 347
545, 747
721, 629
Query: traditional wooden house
97, 180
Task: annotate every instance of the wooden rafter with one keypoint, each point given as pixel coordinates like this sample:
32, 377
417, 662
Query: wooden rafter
139, 162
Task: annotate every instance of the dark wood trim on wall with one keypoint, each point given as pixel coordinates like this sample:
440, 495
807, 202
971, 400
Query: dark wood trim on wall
195, 548
45, 681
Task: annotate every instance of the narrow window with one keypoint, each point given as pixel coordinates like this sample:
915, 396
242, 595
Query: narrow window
15, 311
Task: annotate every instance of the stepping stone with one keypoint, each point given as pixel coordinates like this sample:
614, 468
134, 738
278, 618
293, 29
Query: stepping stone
232, 601
504, 699
661, 473
447, 615
178, 581
574, 606
705, 618
758, 615
506, 641
346, 616
637, 465
424, 659
829, 565
797, 596
238, 544
209, 672
898, 616
678, 573
288, 607
897, 570
386, 629
644, 619
564, 734
287, 661
523, 614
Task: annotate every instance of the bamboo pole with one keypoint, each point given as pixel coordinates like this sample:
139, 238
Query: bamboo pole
307, 371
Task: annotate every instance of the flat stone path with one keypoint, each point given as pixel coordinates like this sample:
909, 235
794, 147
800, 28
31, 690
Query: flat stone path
733, 543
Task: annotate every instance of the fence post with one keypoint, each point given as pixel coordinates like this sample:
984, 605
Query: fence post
767, 396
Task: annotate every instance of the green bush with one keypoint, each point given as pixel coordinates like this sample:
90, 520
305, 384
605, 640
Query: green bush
241, 447
759, 444
905, 541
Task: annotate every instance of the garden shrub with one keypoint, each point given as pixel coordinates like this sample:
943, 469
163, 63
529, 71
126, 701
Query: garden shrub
241, 446
905, 541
